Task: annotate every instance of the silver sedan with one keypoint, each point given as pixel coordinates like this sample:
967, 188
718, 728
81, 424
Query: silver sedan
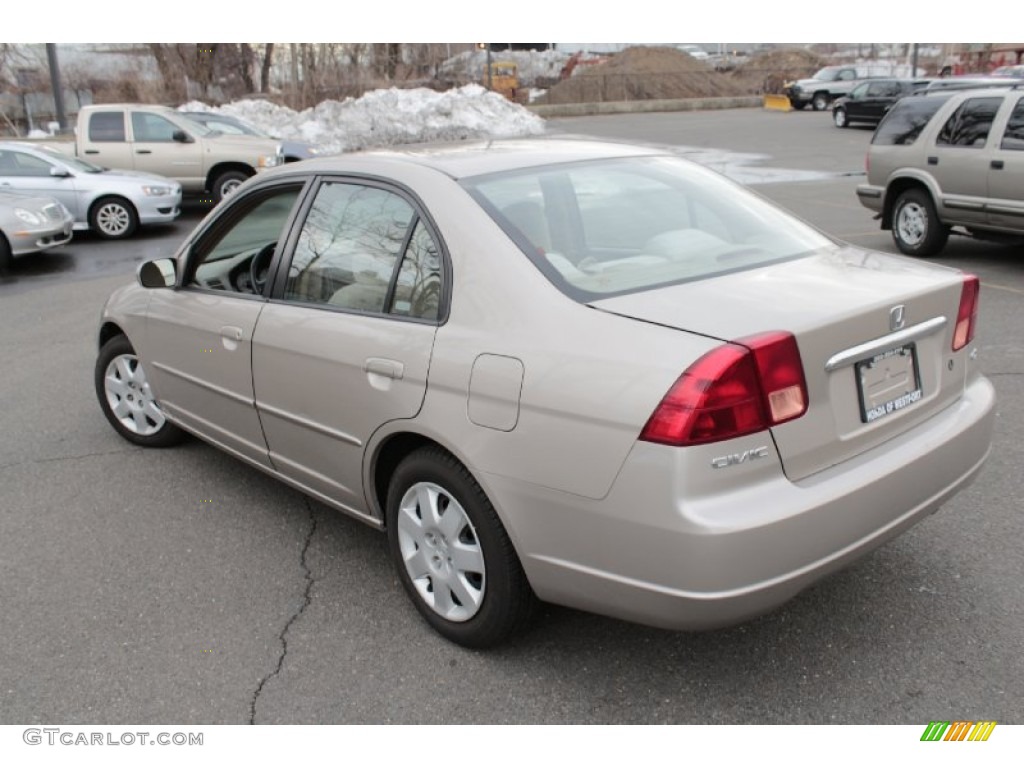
29, 224
590, 374
111, 203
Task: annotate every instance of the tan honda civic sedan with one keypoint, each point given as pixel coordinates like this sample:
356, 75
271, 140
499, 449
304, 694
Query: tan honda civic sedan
591, 374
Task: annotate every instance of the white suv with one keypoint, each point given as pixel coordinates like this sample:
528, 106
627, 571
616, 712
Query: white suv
949, 160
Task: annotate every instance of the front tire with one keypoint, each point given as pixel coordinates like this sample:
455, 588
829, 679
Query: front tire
916, 228
226, 183
127, 400
839, 118
453, 555
113, 218
6, 257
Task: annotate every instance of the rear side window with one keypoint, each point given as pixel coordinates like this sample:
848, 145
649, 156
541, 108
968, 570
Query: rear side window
1014, 136
106, 126
969, 125
904, 122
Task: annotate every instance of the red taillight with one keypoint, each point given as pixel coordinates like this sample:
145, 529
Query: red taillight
733, 390
967, 316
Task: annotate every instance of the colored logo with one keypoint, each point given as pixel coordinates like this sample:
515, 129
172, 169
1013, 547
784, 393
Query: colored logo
958, 730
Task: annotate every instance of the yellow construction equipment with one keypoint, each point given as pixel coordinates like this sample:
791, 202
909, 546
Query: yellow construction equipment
778, 102
504, 79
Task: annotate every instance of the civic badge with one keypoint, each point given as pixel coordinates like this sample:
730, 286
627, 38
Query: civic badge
896, 317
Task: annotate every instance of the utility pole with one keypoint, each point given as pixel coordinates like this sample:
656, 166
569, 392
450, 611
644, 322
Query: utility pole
58, 89
913, 61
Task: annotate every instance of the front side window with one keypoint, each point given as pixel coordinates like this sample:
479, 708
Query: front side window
969, 125
106, 126
1013, 138
235, 254
149, 127
22, 164
617, 226
366, 249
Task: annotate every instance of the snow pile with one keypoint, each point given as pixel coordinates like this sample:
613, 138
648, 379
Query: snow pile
387, 117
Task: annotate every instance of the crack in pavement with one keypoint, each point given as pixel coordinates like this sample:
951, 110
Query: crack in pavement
306, 600
67, 458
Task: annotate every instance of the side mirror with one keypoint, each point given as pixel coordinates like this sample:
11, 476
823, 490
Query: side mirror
180, 136
60, 173
158, 273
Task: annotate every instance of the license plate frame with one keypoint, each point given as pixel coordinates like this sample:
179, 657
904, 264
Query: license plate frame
888, 382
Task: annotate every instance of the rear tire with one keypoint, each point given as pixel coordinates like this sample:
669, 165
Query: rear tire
820, 102
453, 555
916, 228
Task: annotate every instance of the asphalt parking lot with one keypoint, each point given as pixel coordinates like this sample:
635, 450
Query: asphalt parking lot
182, 586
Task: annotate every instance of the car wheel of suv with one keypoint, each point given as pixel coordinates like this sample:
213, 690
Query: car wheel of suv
798, 104
113, 218
126, 398
820, 102
452, 553
6, 257
227, 183
916, 228
839, 117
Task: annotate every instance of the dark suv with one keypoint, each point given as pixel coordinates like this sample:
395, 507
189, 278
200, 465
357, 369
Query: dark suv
869, 101
953, 159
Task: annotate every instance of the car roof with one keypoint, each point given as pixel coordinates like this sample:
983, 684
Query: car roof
478, 158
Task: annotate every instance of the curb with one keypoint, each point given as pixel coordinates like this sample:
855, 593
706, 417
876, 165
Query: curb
649, 105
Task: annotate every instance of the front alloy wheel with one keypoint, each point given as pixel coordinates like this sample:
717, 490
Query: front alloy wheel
839, 117
113, 218
126, 397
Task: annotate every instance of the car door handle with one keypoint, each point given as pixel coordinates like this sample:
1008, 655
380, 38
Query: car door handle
933, 160
997, 164
143, 152
383, 367
92, 151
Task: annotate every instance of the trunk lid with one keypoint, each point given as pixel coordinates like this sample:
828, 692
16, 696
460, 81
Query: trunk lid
874, 333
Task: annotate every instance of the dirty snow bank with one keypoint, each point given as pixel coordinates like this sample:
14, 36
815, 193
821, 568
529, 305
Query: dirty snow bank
387, 117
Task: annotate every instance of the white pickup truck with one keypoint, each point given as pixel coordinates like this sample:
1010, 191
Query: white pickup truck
159, 140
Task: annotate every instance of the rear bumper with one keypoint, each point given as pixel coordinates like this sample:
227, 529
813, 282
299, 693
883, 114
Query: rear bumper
871, 196
649, 552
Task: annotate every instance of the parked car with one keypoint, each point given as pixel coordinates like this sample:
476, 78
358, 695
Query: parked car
869, 101
1010, 70
969, 82
111, 203
29, 224
824, 86
155, 139
291, 149
949, 160
597, 375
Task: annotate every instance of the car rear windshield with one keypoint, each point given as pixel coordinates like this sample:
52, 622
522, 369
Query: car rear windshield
609, 227
904, 122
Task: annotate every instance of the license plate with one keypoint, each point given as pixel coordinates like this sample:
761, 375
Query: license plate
888, 382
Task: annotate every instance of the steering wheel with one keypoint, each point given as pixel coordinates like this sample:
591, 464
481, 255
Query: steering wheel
259, 267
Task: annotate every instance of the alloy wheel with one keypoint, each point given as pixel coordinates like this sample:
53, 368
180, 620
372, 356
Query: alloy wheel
130, 398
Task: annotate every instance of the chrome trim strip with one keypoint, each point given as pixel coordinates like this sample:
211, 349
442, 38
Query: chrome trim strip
308, 424
205, 384
873, 347
962, 205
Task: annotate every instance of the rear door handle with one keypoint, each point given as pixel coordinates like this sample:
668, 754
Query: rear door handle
997, 164
384, 367
92, 152
143, 152
932, 160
